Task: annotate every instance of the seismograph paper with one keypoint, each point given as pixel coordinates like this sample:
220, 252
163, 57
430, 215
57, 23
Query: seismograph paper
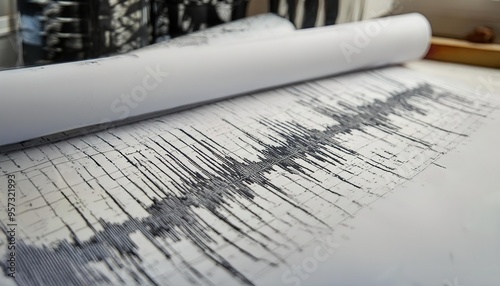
226, 193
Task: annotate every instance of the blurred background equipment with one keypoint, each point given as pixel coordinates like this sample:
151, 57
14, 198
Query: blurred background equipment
119, 26
172, 18
313, 13
60, 31
54, 31
67, 30
8, 40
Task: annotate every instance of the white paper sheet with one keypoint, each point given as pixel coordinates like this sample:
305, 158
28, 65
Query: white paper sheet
242, 191
342, 180
100, 91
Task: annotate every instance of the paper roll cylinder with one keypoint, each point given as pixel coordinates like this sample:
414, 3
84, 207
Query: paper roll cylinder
46, 100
